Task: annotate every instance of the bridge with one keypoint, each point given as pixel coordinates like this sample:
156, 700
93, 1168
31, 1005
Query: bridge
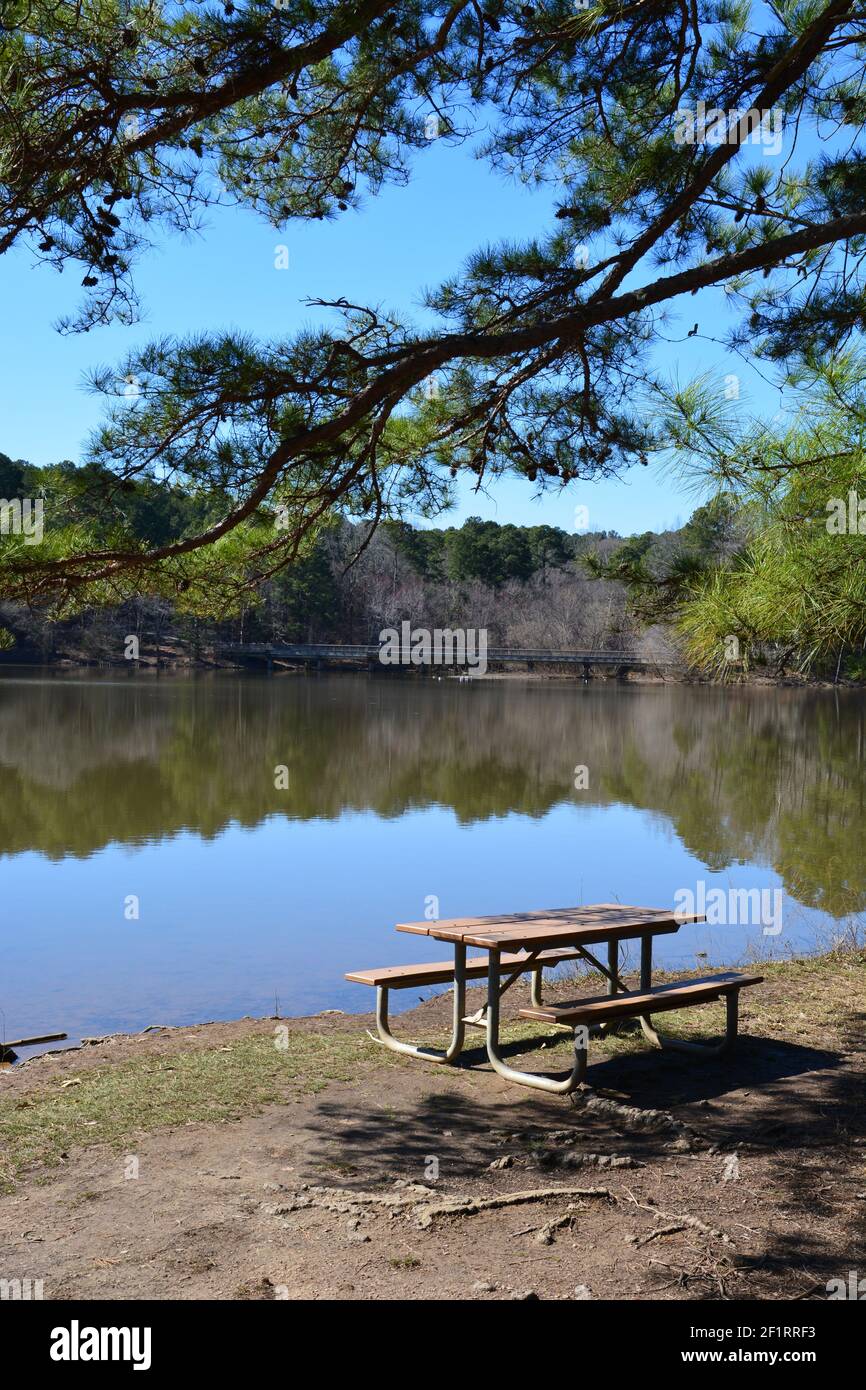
367, 655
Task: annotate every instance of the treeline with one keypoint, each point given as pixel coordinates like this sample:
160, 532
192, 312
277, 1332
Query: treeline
87, 494
485, 551
158, 513
526, 585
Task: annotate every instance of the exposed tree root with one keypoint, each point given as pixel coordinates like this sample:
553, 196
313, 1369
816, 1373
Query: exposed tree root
414, 1199
559, 1158
635, 1120
630, 1119
471, 1206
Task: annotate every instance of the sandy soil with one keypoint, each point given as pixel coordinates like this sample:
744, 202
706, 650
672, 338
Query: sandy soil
742, 1178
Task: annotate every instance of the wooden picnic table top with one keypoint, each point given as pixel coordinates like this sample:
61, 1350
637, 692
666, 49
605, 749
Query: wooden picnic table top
553, 926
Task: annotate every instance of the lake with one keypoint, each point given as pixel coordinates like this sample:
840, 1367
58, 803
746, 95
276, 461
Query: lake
179, 849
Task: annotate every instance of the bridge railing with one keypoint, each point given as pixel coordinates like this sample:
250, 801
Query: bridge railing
369, 651
565, 654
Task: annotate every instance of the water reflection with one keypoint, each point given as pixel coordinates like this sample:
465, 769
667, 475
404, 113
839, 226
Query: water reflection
773, 777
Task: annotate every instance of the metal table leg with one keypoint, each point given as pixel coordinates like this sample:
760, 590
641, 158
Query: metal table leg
535, 969
535, 982
538, 1081
732, 1013
613, 966
646, 961
458, 1026
732, 1002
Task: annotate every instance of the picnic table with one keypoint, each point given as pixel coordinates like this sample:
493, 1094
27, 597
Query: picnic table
520, 943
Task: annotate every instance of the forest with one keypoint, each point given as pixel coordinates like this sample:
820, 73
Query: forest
529, 586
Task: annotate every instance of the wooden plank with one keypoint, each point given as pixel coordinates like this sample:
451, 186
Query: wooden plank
497, 919
31, 1042
453, 928
589, 925
679, 994
531, 938
563, 924
441, 972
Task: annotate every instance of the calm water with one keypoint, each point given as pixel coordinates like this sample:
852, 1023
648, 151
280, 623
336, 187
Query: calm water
398, 791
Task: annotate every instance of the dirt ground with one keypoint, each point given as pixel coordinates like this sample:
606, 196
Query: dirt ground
367, 1176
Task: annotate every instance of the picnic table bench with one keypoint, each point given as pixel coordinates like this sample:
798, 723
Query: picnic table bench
523, 943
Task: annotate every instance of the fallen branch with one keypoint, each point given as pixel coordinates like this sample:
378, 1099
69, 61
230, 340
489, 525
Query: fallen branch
677, 1222
662, 1231
546, 1233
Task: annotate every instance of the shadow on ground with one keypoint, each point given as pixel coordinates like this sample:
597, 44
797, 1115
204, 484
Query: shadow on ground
794, 1116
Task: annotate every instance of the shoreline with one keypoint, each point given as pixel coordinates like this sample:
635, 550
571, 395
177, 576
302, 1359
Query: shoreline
295, 1158
364, 1018
343, 1020
178, 668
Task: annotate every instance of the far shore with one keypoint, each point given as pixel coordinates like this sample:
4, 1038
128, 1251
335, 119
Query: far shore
181, 666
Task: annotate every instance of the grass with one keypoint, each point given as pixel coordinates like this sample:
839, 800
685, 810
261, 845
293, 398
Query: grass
818, 999
111, 1104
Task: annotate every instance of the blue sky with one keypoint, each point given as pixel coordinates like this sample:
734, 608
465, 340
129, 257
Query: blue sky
405, 239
